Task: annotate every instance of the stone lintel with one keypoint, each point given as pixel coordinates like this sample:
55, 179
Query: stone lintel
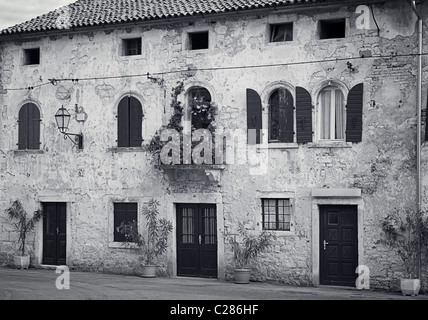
337, 193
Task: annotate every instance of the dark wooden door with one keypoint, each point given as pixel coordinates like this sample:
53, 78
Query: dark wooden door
338, 245
54, 234
197, 240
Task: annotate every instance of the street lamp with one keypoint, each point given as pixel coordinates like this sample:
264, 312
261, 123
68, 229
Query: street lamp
62, 118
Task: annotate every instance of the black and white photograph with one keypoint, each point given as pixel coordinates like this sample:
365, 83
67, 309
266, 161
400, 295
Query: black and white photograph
214, 157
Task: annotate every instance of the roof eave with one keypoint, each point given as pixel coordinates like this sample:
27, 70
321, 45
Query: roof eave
185, 18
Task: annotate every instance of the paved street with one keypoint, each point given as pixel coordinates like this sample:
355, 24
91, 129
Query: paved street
40, 284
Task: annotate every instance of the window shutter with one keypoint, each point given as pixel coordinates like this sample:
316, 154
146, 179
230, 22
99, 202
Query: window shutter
354, 114
303, 115
254, 117
286, 127
33, 127
135, 122
123, 123
23, 121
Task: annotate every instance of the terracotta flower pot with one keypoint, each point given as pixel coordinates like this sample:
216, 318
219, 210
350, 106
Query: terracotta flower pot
410, 287
21, 262
148, 271
242, 276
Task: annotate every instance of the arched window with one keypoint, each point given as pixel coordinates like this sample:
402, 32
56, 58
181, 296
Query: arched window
332, 114
29, 127
199, 104
129, 122
281, 118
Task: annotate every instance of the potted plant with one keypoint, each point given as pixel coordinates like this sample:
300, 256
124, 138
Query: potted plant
247, 250
22, 224
407, 233
154, 243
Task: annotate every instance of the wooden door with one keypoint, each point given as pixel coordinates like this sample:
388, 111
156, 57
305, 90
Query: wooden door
197, 240
338, 245
54, 234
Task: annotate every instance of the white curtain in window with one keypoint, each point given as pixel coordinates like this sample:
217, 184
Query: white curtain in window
325, 114
339, 108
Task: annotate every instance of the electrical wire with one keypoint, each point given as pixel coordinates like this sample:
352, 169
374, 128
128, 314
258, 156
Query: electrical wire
55, 81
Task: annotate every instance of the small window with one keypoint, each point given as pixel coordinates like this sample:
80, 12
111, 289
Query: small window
332, 29
198, 40
126, 213
281, 32
276, 214
31, 56
132, 47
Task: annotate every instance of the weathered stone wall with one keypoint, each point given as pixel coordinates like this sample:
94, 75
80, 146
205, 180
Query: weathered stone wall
383, 165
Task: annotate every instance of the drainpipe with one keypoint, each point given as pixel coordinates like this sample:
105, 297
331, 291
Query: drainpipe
419, 126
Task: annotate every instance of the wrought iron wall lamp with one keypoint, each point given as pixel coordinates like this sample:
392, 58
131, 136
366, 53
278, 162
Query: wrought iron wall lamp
62, 118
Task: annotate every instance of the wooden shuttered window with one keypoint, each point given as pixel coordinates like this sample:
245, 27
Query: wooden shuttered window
126, 213
29, 127
354, 114
281, 118
130, 116
303, 115
254, 117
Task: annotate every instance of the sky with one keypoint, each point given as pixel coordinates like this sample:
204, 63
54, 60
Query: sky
16, 11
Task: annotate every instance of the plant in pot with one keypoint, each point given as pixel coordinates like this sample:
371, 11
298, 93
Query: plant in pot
22, 224
246, 250
155, 241
407, 233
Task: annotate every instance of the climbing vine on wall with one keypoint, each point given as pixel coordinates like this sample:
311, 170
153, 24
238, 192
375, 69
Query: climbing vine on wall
202, 113
155, 145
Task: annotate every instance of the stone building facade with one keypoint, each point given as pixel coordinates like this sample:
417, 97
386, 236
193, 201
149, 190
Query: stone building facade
90, 69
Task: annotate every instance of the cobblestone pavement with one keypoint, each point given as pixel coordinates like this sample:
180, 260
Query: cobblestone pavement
40, 284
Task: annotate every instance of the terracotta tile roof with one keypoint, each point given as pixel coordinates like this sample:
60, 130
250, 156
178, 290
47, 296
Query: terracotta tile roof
84, 13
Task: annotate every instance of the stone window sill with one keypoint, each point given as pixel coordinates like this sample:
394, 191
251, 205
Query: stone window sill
330, 144
278, 146
280, 43
131, 57
283, 233
120, 245
122, 149
28, 151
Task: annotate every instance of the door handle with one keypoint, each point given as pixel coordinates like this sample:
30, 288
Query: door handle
200, 239
325, 244
57, 230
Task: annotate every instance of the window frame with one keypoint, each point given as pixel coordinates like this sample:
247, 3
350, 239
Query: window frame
115, 233
265, 96
27, 130
269, 113
277, 214
333, 88
185, 41
26, 56
118, 123
273, 25
125, 48
188, 96
339, 19
190, 42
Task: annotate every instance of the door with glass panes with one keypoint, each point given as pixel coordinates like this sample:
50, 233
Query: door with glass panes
197, 240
